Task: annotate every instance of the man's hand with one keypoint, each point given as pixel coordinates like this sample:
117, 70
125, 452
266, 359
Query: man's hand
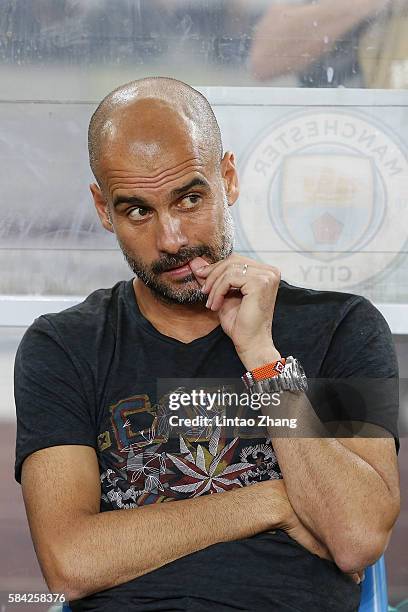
243, 292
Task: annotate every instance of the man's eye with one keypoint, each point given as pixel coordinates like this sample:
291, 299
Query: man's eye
138, 213
191, 200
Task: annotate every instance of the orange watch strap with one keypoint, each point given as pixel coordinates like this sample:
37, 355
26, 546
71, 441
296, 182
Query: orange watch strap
269, 370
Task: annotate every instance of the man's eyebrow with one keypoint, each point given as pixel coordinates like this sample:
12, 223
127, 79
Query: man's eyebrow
196, 182
138, 201
135, 200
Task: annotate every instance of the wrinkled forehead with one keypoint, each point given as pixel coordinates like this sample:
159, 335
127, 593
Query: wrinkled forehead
148, 136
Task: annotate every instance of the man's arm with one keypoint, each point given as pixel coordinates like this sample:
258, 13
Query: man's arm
289, 38
332, 484
346, 493
74, 541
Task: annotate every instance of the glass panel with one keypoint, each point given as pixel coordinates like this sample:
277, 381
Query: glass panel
300, 43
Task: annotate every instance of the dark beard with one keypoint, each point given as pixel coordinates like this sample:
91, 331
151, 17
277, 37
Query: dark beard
162, 291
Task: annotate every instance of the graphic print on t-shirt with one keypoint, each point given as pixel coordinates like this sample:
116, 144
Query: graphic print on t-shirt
144, 460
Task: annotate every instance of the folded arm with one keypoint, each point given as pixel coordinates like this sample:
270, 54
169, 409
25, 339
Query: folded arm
345, 490
74, 540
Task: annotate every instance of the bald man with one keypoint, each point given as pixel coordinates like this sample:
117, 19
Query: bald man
131, 511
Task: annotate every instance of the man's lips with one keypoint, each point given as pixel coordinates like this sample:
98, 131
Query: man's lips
179, 266
188, 267
179, 270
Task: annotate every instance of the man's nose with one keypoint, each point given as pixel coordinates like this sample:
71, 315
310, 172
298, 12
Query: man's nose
169, 235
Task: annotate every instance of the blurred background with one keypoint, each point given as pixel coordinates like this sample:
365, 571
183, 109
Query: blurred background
310, 95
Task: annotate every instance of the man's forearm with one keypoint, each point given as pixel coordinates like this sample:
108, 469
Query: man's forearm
146, 538
330, 487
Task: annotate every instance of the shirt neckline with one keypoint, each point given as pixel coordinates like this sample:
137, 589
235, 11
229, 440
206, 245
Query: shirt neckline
149, 327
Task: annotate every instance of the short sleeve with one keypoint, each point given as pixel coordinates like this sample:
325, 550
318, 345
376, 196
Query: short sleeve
52, 405
361, 368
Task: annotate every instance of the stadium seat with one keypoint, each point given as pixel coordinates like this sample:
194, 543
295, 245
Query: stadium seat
374, 596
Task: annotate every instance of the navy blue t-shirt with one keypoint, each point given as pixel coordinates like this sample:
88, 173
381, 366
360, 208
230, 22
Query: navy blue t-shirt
88, 376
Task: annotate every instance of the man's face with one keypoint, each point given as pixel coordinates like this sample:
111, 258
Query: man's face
179, 286
168, 209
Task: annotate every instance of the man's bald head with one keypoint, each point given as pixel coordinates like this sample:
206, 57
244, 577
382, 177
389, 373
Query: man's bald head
151, 113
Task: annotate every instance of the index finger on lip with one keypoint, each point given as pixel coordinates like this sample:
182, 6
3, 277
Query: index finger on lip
197, 263
201, 268
194, 265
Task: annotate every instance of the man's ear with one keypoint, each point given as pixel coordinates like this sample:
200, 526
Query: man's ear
101, 207
230, 177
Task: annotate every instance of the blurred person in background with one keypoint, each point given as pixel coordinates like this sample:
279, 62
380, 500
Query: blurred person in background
281, 42
325, 43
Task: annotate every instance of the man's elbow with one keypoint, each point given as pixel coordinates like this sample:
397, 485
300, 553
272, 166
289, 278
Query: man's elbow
362, 545
68, 589
354, 555
50, 560
64, 573
60, 581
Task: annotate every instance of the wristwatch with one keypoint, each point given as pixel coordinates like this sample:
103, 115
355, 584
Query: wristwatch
287, 375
